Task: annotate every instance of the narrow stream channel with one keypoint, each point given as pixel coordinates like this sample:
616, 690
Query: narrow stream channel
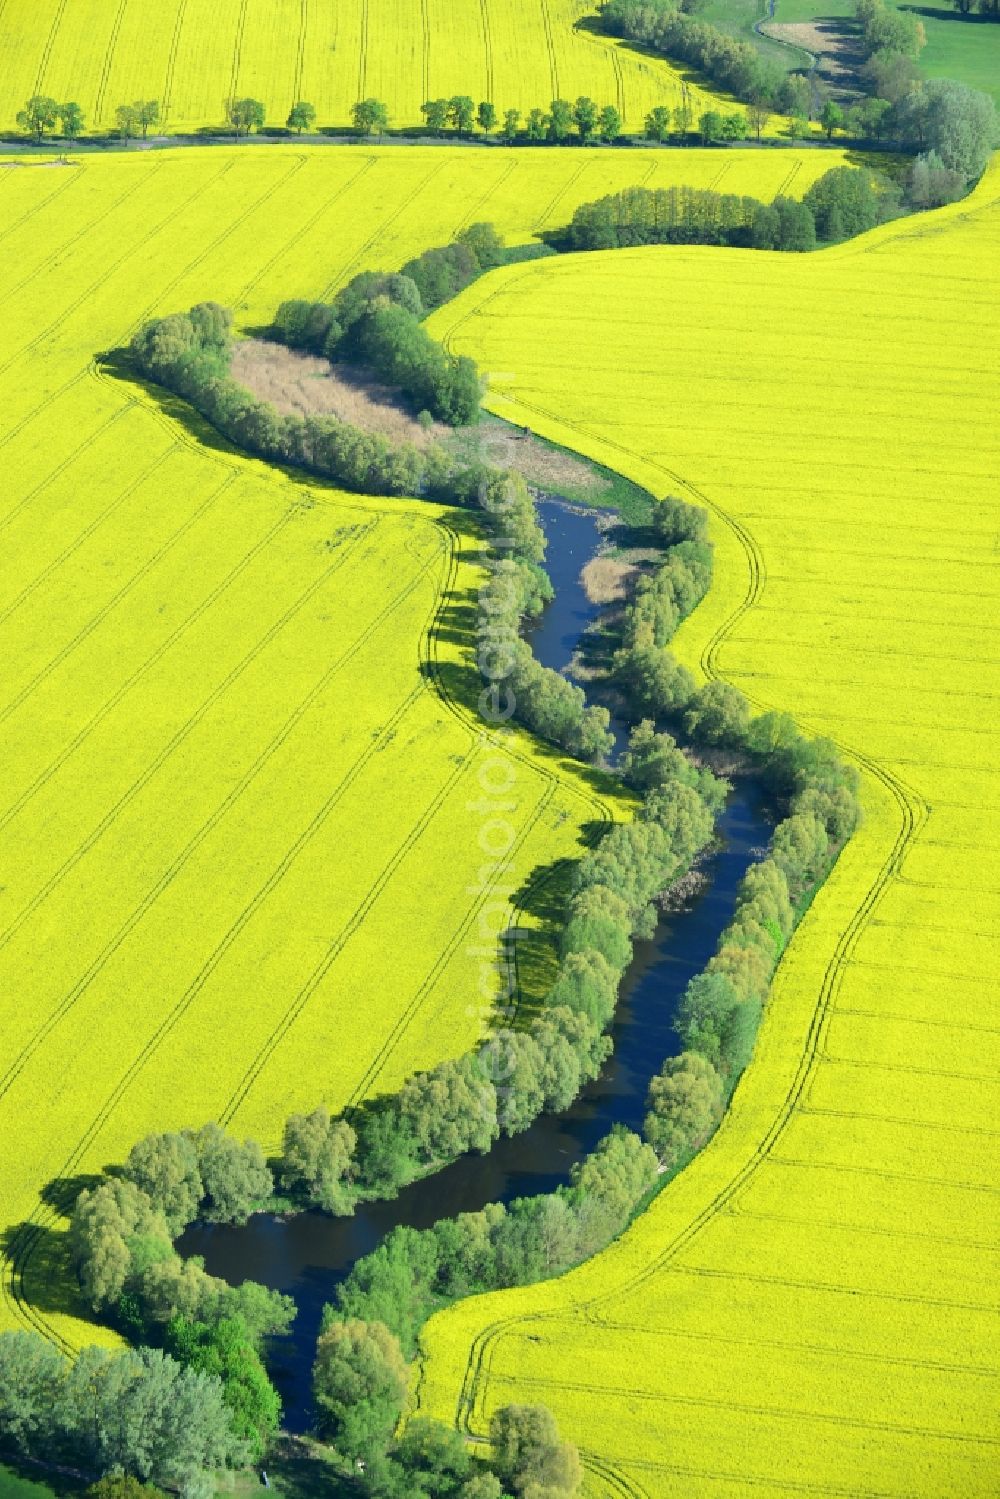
309, 1254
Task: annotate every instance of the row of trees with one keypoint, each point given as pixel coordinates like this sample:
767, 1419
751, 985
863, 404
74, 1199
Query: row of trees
844, 202
721, 1008
564, 120
42, 114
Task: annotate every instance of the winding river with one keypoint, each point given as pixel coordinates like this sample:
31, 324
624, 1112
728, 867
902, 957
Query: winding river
309, 1254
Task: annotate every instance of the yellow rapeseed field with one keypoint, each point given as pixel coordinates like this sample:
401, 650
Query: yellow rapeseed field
192, 55
811, 1307
240, 824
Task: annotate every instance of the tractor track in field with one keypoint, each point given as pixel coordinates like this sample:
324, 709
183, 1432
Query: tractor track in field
425, 61
124, 801
108, 63
92, 527
115, 265
300, 53
136, 676
379, 233
430, 661
484, 13
52, 259
618, 1485
241, 24
363, 51
481, 202
627, 1393
50, 478
550, 48
472, 723
43, 61
912, 814
175, 41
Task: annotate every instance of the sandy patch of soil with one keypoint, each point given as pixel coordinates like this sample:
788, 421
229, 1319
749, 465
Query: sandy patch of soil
300, 384
606, 580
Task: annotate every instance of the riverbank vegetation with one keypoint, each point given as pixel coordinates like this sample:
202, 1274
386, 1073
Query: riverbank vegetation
897, 103
460, 1106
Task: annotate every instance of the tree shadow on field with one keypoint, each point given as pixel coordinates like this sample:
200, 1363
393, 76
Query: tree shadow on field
591, 25
62, 1191
532, 950
42, 1269
119, 364
939, 13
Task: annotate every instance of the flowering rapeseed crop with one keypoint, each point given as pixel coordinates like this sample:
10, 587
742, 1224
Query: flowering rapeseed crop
193, 54
238, 822
811, 1306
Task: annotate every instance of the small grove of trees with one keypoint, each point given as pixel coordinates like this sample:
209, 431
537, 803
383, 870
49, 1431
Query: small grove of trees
41, 115
361, 1381
121, 1237
190, 352
843, 202
885, 29
140, 1412
135, 119
245, 115
370, 116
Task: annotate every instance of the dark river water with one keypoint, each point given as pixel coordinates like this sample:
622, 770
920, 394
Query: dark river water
307, 1255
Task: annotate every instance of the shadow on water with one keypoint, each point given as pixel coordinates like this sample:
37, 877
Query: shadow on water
307, 1255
